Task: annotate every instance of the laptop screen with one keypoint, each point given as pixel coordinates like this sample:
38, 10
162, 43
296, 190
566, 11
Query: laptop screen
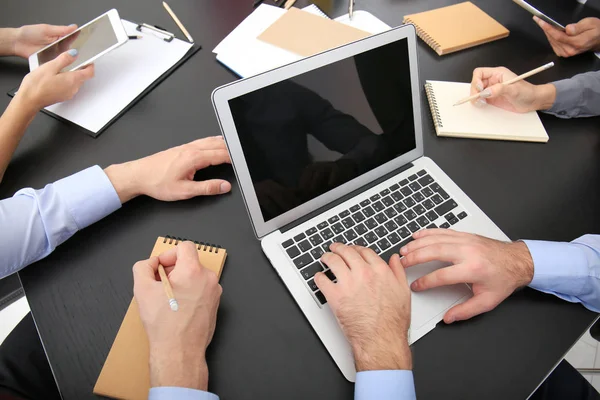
304, 136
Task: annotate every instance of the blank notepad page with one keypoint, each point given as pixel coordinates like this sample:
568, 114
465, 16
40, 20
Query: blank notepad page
478, 122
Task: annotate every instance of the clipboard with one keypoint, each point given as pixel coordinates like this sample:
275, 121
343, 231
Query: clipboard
150, 32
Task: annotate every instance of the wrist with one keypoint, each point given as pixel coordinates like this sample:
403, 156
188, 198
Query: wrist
545, 96
21, 105
8, 41
523, 264
123, 179
384, 357
180, 368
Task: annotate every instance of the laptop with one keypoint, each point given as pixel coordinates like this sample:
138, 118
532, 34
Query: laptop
330, 149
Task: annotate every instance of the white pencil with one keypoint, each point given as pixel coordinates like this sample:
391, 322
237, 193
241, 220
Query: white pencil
178, 22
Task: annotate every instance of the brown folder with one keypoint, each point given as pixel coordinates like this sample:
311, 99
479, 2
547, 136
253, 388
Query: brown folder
457, 27
126, 374
307, 34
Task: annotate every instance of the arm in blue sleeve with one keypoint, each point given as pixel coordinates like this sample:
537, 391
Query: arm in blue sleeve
385, 385
170, 393
570, 271
578, 96
34, 222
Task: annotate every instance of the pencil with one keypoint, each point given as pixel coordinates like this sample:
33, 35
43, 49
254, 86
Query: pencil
178, 22
510, 82
289, 4
168, 289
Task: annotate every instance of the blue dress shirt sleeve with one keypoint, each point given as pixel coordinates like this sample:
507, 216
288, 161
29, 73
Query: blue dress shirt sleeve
578, 96
385, 385
570, 271
172, 393
34, 222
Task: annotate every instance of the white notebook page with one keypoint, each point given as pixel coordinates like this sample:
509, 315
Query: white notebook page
120, 77
487, 122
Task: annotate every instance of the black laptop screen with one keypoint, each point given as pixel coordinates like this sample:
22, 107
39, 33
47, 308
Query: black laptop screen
307, 135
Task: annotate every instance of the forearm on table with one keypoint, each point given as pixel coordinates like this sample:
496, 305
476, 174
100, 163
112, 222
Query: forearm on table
7, 41
13, 123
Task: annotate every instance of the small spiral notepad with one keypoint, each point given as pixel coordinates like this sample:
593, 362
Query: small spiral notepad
486, 122
456, 27
126, 374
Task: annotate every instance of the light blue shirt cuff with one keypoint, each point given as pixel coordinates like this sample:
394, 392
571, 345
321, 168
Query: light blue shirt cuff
89, 196
179, 393
385, 385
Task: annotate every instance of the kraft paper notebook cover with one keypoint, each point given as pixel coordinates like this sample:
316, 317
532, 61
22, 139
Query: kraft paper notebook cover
306, 34
486, 122
126, 374
457, 27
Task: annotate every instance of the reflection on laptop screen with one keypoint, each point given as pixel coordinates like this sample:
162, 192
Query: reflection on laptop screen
307, 135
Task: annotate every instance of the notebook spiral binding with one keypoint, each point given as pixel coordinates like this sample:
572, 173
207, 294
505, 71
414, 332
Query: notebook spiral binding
431, 42
435, 111
201, 245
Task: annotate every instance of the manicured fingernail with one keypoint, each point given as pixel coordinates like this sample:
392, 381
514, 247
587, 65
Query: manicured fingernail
485, 94
479, 86
480, 103
403, 250
414, 285
70, 25
451, 320
73, 52
225, 187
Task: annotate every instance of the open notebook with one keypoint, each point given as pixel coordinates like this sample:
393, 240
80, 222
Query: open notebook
470, 121
246, 55
126, 374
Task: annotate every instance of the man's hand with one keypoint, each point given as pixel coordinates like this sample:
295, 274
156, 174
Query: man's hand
578, 38
371, 302
178, 339
495, 269
519, 97
46, 85
26, 40
169, 175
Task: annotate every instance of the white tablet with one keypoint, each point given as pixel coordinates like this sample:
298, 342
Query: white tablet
539, 14
91, 41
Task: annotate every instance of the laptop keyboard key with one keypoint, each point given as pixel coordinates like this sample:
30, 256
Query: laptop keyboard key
337, 228
437, 199
321, 297
378, 206
403, 182
375, 248
361, 229
361, 242
410, 215
443, 208
348, 222
390, 226
431, 215
299, 237
435, 186
316, 240
449, 216
397, 196
445, 225
406, 191
444, 195
426, 180
383, 244
312, 285
380, 218
384, 192
293, 252
387, 201
404, 232
409, 202
311, 231
462, 215
390, 212
304, 246
327, 233
329, 273
288, 243
418, 197
428, 204
400, 220
354, 208
368, 211
375, 197
350, 235
394, 238
381, 231
333, 219
419, 209
344, 214
371, 223
413, 226
317, 252
415, 186
400, 207
339, 239
303, 260
326, 245
423, 221
365, 203
427, 192
453, 221
311, 270
431, 226
395, 186
421, 172
412, 177
371, 237
322, 225
358, 217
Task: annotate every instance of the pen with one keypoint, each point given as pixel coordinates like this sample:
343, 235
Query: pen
135, 36
178, 22
510, 82
168, 289
350, 9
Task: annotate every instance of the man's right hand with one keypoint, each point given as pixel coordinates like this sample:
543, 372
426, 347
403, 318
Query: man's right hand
178, 339
494, 268
46, 85
371, 301
576, 39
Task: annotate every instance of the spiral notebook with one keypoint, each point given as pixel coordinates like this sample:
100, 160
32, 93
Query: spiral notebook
126, 374
456, 27
470, 121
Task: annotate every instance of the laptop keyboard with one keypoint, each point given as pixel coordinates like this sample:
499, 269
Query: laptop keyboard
383, 222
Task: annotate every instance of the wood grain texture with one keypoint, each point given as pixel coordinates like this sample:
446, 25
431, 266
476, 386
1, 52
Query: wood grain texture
263, 346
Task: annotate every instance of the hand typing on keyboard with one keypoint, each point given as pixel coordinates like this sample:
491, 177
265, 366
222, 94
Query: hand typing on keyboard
496, 269
371, 301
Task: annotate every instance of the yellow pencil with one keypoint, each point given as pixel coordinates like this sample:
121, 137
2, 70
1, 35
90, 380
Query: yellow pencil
178, 22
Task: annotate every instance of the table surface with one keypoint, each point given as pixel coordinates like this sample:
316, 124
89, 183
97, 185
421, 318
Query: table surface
263, 347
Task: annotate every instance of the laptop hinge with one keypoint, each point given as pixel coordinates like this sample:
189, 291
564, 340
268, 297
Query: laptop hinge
342, 199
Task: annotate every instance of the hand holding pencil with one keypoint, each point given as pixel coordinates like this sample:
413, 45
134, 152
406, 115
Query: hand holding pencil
497, 86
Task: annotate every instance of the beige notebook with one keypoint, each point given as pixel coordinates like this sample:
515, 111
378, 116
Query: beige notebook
470, 121
126, 374
457, 27
306, 34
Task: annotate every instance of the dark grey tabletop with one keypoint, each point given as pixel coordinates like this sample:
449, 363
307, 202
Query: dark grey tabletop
263, 347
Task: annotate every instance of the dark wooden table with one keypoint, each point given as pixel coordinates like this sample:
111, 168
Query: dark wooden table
263, 347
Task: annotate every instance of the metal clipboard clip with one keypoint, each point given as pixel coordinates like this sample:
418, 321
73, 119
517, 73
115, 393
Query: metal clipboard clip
157, 31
